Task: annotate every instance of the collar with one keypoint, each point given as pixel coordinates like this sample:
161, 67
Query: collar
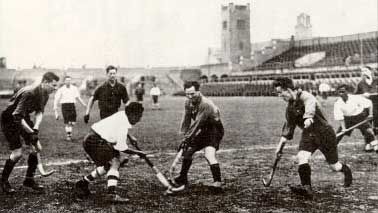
109, 84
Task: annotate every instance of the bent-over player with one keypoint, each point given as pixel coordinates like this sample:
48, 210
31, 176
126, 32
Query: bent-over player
67, 96
106, 139
304, 111
16, 123
205, 132
350, 110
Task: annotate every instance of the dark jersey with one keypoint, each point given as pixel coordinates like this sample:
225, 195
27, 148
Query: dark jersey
305, 106
363, 87
27, 100
109, 97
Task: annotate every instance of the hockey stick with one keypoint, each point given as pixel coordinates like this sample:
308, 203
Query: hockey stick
353, 127
162, 179
174, 163
41, 169
267, 183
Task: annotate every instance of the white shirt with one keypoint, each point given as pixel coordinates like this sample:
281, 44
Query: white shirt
155, 91
114, 130
353, 106
66, 95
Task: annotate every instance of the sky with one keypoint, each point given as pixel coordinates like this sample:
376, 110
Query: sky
148, 33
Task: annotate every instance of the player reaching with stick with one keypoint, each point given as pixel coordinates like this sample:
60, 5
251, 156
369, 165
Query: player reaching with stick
304, 111
350, 110
205, 132
16, 123
104, 143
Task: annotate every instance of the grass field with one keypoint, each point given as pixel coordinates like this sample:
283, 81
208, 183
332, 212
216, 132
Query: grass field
252, 129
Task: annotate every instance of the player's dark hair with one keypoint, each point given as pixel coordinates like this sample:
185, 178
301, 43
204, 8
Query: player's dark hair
194, 84
134, 108
111, 67
284, 83
49, 77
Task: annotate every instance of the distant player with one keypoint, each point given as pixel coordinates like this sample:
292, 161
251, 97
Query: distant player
368, 87
139, 92
155, 93
16, 123
109, 95
350, 110
67, 96
106, 139
205, 132
304, 111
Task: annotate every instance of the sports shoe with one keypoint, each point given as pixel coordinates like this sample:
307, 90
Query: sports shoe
69, 138
31, 184
81, 188
348, 178
7, 188
305, 191
216, 187
115, 198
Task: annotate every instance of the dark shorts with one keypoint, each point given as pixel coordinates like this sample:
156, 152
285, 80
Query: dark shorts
139, 97
323, 139
69, 112
210, 135
13, 132
99, 150
353, 120
155, 99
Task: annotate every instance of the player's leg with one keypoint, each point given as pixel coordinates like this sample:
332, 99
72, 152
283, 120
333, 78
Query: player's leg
214, 136
182, 180
307, 145
367, 132
210, 155
112, 180
12, 134
29, 181
329, 149
101, 153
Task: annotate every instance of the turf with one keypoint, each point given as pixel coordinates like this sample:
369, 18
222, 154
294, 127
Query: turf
252, 129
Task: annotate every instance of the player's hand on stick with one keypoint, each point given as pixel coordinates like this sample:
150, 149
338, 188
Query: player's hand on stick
34, 137
86, 118
183, 145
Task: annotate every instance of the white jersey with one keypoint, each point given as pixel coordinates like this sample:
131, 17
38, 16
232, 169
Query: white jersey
155, 91
353, 106
66, 95
114, 130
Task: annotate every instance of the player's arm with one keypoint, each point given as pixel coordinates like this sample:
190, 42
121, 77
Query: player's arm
204, 112
79, 98
89, 105
310, 107
57, 97
125, 96
38, 119
288, 130
367, 104
20, 112
186, 119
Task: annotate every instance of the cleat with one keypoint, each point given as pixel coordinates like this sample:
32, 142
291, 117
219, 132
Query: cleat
31, 184
68, 138
7, 188
115, 198
81, 188
348, 178
305, 191
215, 187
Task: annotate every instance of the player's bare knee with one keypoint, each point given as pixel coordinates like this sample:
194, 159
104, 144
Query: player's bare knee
303, 157
115, 163
16, 155
210, 155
